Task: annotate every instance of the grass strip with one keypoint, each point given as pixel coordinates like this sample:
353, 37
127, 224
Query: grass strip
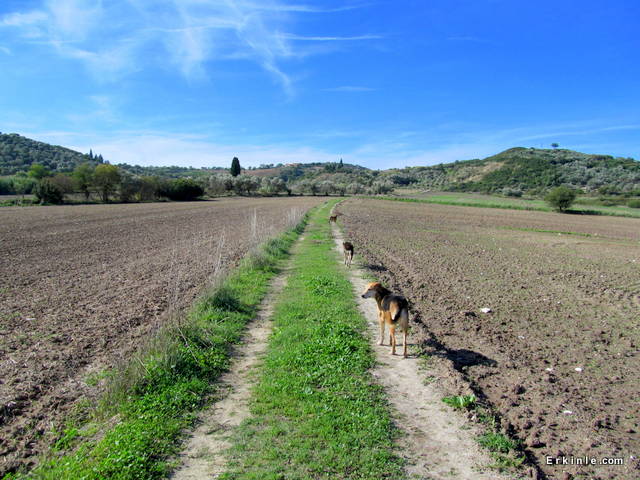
316, 411
461, 202
138, 426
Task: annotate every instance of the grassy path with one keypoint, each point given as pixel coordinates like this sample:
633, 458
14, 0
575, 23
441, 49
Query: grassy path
316, 412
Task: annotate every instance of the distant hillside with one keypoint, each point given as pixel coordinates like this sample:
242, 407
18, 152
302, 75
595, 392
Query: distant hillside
517, 170
17, 153
528, 170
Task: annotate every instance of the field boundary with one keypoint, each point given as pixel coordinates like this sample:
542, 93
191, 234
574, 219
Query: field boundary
133, 432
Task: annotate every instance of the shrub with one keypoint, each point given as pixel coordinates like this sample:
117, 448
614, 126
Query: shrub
511, 192
560, 198
182, 189
634, 203
106, 177
47, 191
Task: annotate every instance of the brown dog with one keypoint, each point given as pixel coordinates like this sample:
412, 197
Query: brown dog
392, 310
347, 249
333, 218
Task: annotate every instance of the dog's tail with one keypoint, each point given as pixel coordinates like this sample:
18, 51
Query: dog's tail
400, 313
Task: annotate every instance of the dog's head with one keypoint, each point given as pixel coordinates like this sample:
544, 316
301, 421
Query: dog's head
372, 289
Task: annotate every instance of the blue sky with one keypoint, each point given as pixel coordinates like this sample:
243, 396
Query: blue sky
379, 83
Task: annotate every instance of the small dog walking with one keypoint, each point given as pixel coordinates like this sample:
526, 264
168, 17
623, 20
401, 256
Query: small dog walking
347, 249
392, 310
333, 218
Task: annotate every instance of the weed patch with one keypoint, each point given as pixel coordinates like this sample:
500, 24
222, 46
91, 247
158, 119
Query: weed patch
461, 402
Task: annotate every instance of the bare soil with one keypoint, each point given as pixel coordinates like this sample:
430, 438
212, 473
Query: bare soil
82, 286
558, 353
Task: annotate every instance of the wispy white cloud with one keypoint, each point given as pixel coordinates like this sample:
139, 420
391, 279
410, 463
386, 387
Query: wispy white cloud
114, 38
20, 19
5, 50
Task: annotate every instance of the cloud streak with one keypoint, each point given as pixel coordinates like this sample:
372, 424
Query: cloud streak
113, 38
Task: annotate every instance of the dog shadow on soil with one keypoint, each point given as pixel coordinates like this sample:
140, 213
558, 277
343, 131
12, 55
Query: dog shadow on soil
460, 358
373, 267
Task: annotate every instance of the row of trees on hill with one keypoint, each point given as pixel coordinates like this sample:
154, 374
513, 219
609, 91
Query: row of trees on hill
107, 182
224, 184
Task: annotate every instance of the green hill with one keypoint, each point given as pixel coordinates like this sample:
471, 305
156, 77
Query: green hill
528, 170
514, 171
18, 153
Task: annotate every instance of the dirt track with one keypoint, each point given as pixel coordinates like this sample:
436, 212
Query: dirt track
559, 303
82, 286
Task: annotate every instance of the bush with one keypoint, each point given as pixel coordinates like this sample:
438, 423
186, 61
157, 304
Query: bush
634, 203
182, 190
511, 192
560, 198
47, 191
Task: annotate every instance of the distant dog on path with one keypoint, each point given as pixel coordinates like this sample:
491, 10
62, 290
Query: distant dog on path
392, 310
333, 218
347, 249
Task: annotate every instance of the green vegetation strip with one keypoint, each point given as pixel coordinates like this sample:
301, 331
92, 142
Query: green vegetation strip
139, 424
503, 203
316, 411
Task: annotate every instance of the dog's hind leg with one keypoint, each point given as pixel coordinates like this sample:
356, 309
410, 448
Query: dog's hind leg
393, 339
404, 325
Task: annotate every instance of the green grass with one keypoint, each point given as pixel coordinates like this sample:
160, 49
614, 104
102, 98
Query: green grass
503, 450
140, 422
316, 412
491, 201
497, 442
558, 232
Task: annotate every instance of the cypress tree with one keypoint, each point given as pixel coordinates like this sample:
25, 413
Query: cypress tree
235, 167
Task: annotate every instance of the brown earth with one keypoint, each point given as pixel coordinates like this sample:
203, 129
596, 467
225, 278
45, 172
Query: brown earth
558, 353
81, 287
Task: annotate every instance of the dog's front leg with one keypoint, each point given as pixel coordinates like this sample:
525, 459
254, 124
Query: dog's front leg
381, 320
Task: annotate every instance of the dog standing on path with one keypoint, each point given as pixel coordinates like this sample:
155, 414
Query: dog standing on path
392, 310
333, 218
347, 249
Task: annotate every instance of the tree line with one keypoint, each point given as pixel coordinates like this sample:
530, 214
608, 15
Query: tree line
106, 183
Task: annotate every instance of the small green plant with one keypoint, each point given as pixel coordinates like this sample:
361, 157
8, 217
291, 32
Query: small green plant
66, 439
461, 402
497, 442
561, 198
634, 203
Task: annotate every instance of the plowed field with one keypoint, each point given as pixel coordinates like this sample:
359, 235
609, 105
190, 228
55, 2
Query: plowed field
82, 286
558, 353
